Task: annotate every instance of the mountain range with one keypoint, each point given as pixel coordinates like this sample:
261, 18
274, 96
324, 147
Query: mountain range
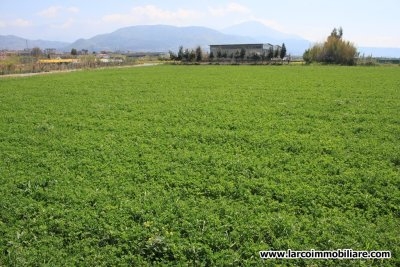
163, 38
12, 42
155, 38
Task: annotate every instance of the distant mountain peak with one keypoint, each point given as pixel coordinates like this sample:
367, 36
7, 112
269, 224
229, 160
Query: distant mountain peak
256, 29
12, 42
157, 38
264, 34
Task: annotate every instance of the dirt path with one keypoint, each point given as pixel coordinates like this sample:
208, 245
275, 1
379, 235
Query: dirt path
64, 71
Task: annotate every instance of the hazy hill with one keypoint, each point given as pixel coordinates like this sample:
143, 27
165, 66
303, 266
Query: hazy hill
295, 45
380, 51
158, 38
12, 42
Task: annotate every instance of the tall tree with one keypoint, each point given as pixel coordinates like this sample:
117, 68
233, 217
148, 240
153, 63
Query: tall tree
172, 55
276, 53
186, 55
199, 54
283, 51
211, 57
191, 55
237, 55
180, 53
36, 52
334, 50
219, 54
337, 33
270, 53
242, 53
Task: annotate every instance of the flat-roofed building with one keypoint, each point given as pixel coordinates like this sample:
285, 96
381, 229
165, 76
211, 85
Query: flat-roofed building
227, 50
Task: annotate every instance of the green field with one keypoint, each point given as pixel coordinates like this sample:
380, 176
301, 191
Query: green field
199, 165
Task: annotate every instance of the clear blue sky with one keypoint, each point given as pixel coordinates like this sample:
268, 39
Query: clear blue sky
365, 22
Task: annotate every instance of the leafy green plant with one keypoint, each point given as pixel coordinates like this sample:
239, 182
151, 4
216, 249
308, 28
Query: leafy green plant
183, 165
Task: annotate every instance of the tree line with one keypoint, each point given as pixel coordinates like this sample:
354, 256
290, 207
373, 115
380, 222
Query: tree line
198, 55
193, 55
335, 50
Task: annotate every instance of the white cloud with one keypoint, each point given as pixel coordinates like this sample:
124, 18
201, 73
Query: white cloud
55, 11
50, 12
153, 14
238, 8
21, 23
228, 9
73, 10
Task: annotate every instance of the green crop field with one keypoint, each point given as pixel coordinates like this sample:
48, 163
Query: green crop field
199, 165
